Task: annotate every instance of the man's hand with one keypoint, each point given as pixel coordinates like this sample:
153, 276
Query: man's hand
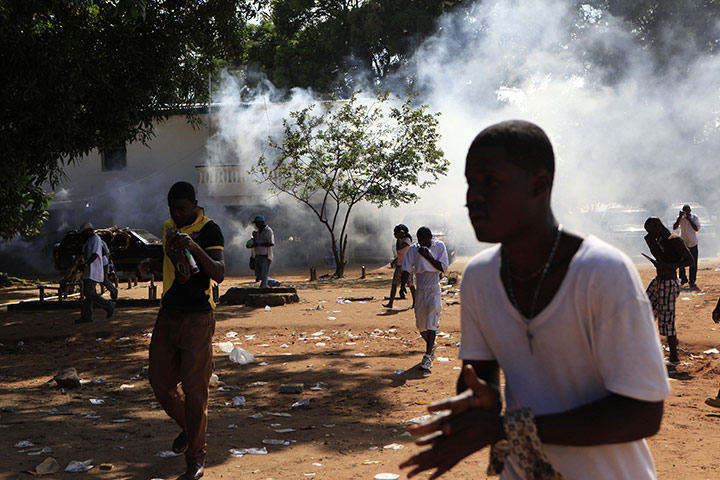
178, 242
425, 252
468, 422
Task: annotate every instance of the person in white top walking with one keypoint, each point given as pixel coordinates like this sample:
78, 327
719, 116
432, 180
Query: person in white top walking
689, 225
92, 275
567, 320
428, 260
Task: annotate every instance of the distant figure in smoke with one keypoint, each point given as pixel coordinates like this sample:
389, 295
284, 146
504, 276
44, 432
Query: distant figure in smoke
566, 319
107, 270
181, 345
92, 275
689, 225
400, 277
263, 250
715, 401
428, 260
670, 254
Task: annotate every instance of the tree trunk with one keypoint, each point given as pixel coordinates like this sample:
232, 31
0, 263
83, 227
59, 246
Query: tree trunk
340, 258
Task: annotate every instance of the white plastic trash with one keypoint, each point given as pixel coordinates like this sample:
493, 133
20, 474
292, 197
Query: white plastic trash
78, 467
241, 356
387, 476
238, 401
225, 347
267, 308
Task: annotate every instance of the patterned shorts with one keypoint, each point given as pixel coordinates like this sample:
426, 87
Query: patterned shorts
662, 295
397, 277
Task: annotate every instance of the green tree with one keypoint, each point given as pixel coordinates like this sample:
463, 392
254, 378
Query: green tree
79, 75
351, 152
325, 44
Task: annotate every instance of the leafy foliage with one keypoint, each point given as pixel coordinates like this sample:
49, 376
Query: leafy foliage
354, 151
80, 75
326, 44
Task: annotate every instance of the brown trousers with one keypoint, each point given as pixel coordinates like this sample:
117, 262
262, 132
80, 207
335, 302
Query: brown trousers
180, 369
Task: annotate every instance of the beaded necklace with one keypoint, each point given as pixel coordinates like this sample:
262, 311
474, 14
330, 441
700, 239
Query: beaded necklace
543, 273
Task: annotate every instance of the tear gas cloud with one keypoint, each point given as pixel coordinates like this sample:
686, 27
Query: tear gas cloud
624, 130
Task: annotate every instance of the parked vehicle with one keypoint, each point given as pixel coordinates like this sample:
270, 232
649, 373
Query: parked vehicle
624, 227
133, 251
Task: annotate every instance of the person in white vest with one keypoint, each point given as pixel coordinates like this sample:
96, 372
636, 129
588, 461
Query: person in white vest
93, 274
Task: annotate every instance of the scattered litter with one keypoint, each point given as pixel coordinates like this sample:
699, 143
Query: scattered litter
24, 444
399, 371
284, 430
256, 416
262, 364
225, 347
238, 401
332, 318
106, 466
686, 299
320, 344
393, 446
284, 345
121, 420
387, 476
79, 467
443, 359
241, 356
370, 462
126, 387
712, 350
43, 451
257, 384
267, 308
168, 454
279, 414
250, 337
214, 379
417, 420
328, 425
319, 386
367, 366
291, 388
359, 355
48, 466
231, 335
274, 441
305, 402
97, 401
405, 434
238, 452
98, 381
349, 343
123, 339
318, 334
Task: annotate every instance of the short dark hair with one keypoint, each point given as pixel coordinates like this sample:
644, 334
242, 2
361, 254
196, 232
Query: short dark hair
182, 191
526, 144
424, 231
400, 228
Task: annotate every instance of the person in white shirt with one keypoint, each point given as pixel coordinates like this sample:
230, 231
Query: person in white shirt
428, 260
263, 250
689, 225
567, 320
92, 275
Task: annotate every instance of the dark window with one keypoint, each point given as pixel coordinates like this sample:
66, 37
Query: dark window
114, 159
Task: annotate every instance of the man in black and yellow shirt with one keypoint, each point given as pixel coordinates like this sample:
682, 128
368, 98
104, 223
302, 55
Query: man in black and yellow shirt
181, 346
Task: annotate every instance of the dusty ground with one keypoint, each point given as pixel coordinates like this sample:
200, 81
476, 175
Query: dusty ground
348, 429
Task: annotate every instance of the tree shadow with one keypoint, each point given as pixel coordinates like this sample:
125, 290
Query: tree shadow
348, 411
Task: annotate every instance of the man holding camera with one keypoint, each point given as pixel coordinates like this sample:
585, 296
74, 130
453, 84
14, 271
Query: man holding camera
689, 225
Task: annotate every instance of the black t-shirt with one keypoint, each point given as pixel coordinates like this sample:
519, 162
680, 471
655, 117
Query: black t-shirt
194, 295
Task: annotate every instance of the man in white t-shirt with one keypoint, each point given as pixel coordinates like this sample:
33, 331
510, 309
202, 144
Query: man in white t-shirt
92, 275
263, 250
567, 320
427, 259
689, 225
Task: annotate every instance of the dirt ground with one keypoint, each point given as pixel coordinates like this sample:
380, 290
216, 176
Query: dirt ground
362, 357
